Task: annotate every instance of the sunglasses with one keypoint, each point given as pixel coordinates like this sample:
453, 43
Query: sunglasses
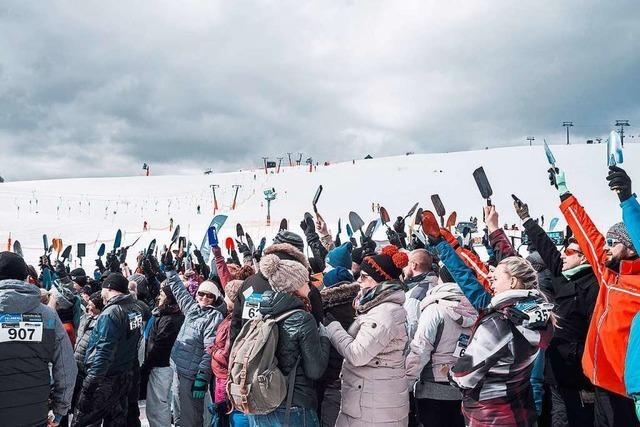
612, 242
569, 252
206, 295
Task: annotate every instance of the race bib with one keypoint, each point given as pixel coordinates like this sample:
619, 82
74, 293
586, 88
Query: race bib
538, 315
135, 321
251, 308
461, 345
25, 327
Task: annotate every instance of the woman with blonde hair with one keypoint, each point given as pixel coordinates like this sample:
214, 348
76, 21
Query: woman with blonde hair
514, 324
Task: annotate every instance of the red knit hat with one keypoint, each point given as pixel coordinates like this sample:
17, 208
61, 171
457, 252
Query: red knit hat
387, 265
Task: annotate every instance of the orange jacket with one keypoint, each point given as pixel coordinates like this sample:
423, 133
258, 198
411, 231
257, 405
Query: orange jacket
470, 259
618, 301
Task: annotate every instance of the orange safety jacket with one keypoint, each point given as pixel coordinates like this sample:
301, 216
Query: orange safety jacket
618, 301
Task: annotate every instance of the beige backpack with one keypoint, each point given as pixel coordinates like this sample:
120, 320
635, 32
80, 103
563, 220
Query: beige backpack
255, 384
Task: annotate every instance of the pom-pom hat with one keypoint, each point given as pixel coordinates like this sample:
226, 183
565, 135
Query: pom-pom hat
387, 265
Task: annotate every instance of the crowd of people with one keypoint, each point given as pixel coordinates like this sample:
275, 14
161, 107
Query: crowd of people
419, 330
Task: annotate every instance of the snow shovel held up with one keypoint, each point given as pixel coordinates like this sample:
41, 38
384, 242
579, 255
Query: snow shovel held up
45, 243
316, 198
411, 211
284, 225
228, 243
437, 204
384, 216
101, 250
57, 246
418, 220
371, 228
151, 248
176, 234
483, 184
614, 149
550, 157
239, 231
17, 248
66, 253
356, 222
249, 242
118, 240
452, 220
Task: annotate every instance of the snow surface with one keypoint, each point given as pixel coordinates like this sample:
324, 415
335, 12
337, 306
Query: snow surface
90, 210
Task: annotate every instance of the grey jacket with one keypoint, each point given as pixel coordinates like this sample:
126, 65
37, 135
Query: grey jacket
30, 406
418, 288
87, 323
198, 331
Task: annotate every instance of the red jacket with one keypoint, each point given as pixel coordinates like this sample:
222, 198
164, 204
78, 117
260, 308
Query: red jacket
618, 301
220, 350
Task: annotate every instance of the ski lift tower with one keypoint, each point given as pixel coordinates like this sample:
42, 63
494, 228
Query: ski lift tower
269, 196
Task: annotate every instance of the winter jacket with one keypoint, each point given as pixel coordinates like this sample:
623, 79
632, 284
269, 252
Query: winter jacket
494, 372
30, 405
471, 259
374, 382
574, 295
631, 217
618, 301
87, 323
418, 288
198, 331
221, 266
298, 338
167, 321
338, 301
443, 333
113, 343
258, 284
219, 351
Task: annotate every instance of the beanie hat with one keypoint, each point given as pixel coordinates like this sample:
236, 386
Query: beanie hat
286, 236
117, 282
283, 275
357, 255
86, 290
340, 256
96, 299
12, 266
210, 288
232, 289
387, 265
619, 232
79, 276
288, 252
139, 279
337, 275
243, 273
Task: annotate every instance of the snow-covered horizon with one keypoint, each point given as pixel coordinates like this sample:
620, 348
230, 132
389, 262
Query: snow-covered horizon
90, 210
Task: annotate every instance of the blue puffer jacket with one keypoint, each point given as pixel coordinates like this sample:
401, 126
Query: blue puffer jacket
113, 343
631, 218
198, 331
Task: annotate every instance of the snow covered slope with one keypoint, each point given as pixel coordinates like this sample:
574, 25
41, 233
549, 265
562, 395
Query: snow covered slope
91, 210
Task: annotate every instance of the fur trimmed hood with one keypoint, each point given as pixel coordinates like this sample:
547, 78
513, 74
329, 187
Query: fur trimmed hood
342, 293
290, 252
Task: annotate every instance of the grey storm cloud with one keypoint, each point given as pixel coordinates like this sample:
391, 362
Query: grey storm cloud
97, 88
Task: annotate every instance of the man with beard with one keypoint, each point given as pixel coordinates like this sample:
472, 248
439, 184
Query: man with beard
615, 262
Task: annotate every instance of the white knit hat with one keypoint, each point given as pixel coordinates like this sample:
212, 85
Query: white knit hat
210, 288
284, 275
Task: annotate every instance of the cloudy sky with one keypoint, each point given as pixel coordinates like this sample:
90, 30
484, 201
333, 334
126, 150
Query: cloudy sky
95, 88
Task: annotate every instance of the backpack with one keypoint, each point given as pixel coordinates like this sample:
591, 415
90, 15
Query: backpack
255, 384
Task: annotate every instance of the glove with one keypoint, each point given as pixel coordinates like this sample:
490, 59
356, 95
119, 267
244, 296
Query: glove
522, 209
309, 228
199, 387
212, 235
328, 318
558, 180
243, 249
636, 398
619, 182
398, 226
122, 256
167, 260
394, 239
61, 270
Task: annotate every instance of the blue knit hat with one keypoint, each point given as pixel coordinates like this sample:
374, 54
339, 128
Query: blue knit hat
340, 256
335, 276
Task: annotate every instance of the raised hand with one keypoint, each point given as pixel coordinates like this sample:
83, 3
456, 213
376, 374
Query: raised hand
619, 182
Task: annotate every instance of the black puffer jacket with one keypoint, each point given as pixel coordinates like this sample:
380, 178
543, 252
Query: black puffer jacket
575, 299
87, 322
338, 300
298, 337
166, 325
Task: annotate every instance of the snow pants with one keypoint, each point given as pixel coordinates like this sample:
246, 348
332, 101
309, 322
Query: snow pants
159, 397
107, 404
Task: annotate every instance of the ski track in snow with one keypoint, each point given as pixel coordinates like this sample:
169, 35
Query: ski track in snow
82, 210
